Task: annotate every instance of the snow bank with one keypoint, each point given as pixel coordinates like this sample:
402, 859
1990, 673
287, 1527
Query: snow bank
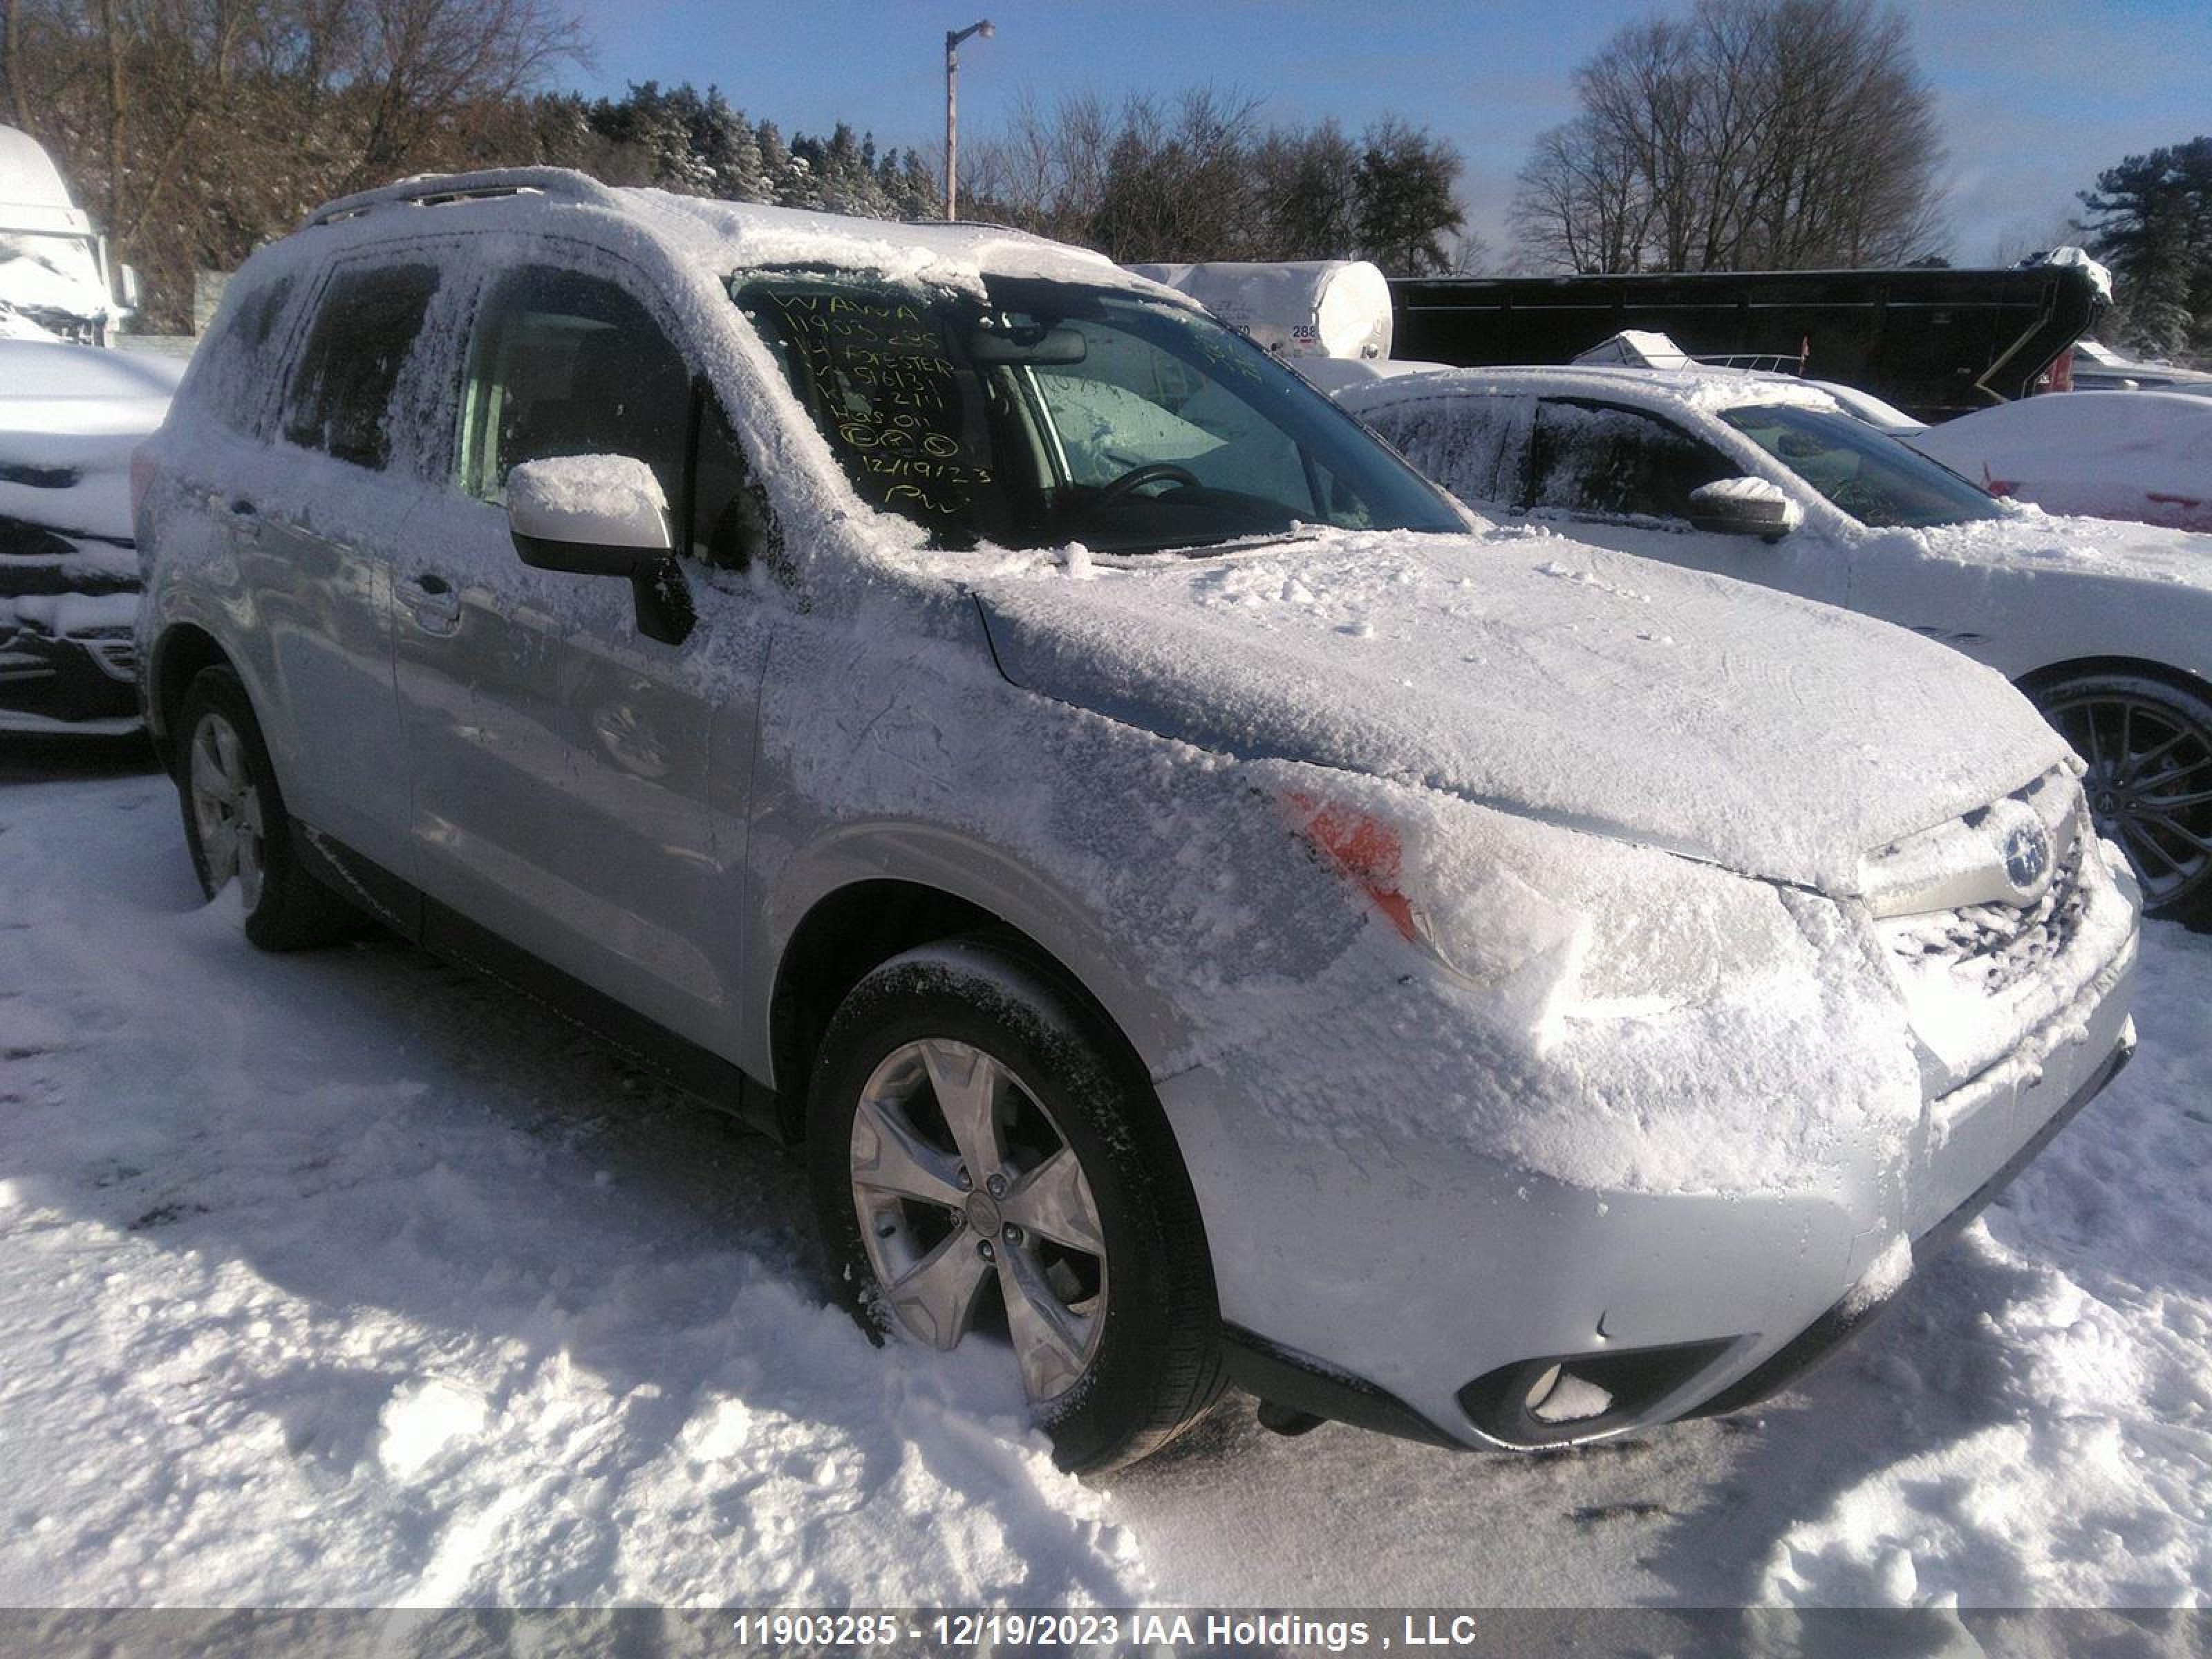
347, 1279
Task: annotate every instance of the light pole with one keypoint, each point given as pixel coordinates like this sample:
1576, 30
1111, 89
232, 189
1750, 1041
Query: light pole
952, 39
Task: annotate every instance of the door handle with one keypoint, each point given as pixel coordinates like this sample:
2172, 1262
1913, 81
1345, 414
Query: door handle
432, 602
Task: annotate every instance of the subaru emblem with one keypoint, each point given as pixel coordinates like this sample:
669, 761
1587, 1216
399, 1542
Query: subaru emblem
2027, 857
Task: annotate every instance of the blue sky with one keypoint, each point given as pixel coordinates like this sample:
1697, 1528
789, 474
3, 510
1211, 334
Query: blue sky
2036, 95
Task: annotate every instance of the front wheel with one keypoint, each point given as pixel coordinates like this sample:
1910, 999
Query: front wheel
988, 1169
2148, 747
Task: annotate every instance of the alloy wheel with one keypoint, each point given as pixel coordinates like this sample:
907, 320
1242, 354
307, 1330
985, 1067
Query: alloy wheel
226, 808
975, 1212
2149, 787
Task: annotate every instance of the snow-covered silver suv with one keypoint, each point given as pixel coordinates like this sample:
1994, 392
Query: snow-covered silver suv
1209, 910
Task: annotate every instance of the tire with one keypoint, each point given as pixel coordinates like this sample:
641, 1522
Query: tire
2147, 742
235, 824
1119, 1350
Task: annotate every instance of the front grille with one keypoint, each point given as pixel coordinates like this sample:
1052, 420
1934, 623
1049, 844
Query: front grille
1994, 947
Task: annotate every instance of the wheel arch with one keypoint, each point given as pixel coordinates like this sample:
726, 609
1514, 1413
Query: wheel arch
853, 928
181, 652
2052, 675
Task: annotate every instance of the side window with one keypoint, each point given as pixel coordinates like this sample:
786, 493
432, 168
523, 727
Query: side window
232, 371
340, 397
1601, 458
567, 364
1467, 444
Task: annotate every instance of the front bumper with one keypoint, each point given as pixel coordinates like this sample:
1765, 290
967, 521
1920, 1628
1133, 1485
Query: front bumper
1439, 1322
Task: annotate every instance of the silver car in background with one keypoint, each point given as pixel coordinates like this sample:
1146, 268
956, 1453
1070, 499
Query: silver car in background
1211, 911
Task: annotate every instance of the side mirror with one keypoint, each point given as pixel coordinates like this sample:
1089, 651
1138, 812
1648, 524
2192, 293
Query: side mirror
589, 515
1745, 506
602, 515
127, 289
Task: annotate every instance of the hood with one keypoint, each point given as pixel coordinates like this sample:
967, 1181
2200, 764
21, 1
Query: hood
1542, 677
2034, 539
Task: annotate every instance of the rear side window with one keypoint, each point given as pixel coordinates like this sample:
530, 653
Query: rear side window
232, 369
340, 398
1467, 444
1602, 458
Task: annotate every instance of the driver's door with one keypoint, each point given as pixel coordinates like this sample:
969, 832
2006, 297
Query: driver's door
562, 760
1621, 477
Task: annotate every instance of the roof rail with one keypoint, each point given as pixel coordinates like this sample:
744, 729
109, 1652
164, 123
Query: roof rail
433, 189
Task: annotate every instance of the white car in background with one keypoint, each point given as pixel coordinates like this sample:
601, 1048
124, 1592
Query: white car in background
2140, 455
70, 416
2107, 625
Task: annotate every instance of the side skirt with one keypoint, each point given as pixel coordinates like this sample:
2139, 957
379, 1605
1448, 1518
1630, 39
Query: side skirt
422, 919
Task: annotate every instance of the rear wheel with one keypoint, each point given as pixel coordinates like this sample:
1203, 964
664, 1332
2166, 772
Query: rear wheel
2148, 747
987, 1170
235, 824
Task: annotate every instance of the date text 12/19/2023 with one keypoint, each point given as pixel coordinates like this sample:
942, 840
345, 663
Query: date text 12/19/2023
973, 1628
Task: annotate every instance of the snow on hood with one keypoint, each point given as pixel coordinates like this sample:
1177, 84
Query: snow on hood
2030, 538
1534, 674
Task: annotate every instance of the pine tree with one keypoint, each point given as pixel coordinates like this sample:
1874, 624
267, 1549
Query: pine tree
1404, 183
2150, 219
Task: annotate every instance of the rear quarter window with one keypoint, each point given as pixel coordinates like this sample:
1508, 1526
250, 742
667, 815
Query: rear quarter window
339, 400
236, 365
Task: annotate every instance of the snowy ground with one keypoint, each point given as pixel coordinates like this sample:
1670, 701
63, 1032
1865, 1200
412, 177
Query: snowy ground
349, 1279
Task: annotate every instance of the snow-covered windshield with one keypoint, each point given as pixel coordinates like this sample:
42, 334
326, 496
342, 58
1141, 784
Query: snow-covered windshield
1869, 474
51, 274
1052, 413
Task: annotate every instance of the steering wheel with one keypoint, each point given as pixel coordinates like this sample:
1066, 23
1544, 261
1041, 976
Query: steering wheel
1859, 498
1138, 477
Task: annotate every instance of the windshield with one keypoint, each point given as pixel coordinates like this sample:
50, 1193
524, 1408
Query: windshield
1054, 413
1869, 474
56, 274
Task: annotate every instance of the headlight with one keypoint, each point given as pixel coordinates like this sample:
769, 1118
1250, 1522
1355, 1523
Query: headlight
1554, 928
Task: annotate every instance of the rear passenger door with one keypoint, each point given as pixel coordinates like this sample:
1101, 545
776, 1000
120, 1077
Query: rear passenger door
314, 537
565, 784
1621, 477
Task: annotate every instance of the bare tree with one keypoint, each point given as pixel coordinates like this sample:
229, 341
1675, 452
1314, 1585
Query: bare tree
199, 128
1746, 135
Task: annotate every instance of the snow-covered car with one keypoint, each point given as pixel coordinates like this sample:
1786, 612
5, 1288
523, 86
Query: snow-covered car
2144, 456
70, 418
1208, 910
2098, 368
2107, 627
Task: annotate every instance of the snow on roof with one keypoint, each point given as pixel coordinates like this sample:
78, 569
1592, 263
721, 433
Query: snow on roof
28, 173
726, 236
2099, 276
1637, 348
1701, 386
